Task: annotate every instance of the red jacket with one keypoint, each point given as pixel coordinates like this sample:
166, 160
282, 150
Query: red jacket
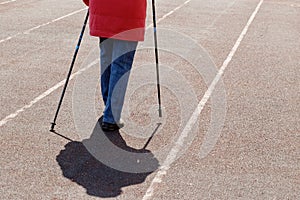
119, 19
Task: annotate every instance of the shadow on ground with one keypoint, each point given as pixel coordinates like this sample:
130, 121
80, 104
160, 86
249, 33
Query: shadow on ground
81, 166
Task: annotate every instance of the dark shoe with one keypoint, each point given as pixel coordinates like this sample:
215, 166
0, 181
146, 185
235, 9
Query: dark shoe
108, 127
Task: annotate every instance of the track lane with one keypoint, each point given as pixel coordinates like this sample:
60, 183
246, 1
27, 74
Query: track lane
39, 170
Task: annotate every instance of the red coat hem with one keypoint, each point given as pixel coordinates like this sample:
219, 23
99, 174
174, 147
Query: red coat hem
123, 36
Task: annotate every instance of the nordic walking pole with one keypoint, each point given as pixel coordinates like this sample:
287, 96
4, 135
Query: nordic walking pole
70, 72
156, 58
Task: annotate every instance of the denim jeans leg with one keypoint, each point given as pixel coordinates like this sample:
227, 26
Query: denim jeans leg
122, 56
106, 47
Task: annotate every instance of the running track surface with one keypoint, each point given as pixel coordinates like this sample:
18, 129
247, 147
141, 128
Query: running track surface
255, 46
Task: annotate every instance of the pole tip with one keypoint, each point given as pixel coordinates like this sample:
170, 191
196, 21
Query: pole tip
52, 127
159, 112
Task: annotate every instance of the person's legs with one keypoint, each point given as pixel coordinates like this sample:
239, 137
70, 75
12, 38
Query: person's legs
122, 56
106, 48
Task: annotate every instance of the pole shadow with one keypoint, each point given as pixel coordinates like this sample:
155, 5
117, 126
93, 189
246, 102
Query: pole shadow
81, 164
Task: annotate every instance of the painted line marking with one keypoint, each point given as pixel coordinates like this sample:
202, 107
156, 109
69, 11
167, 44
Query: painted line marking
180, 141
6, 2
45, 94
174, 10
220, 15
169, 13
41, 25
49, 91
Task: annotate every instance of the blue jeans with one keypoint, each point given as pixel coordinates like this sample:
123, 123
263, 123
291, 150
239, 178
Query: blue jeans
116, 58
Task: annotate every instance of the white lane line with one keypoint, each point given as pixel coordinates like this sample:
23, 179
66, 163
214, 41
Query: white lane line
169, 13
180, 141
49, 91
221, 14
45, 94
41, 25
6, 2
174, 10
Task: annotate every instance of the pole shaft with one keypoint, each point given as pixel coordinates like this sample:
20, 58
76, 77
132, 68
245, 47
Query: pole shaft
156, 58
70, 71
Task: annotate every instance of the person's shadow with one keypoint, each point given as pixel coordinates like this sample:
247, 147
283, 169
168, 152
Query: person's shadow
103, 164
